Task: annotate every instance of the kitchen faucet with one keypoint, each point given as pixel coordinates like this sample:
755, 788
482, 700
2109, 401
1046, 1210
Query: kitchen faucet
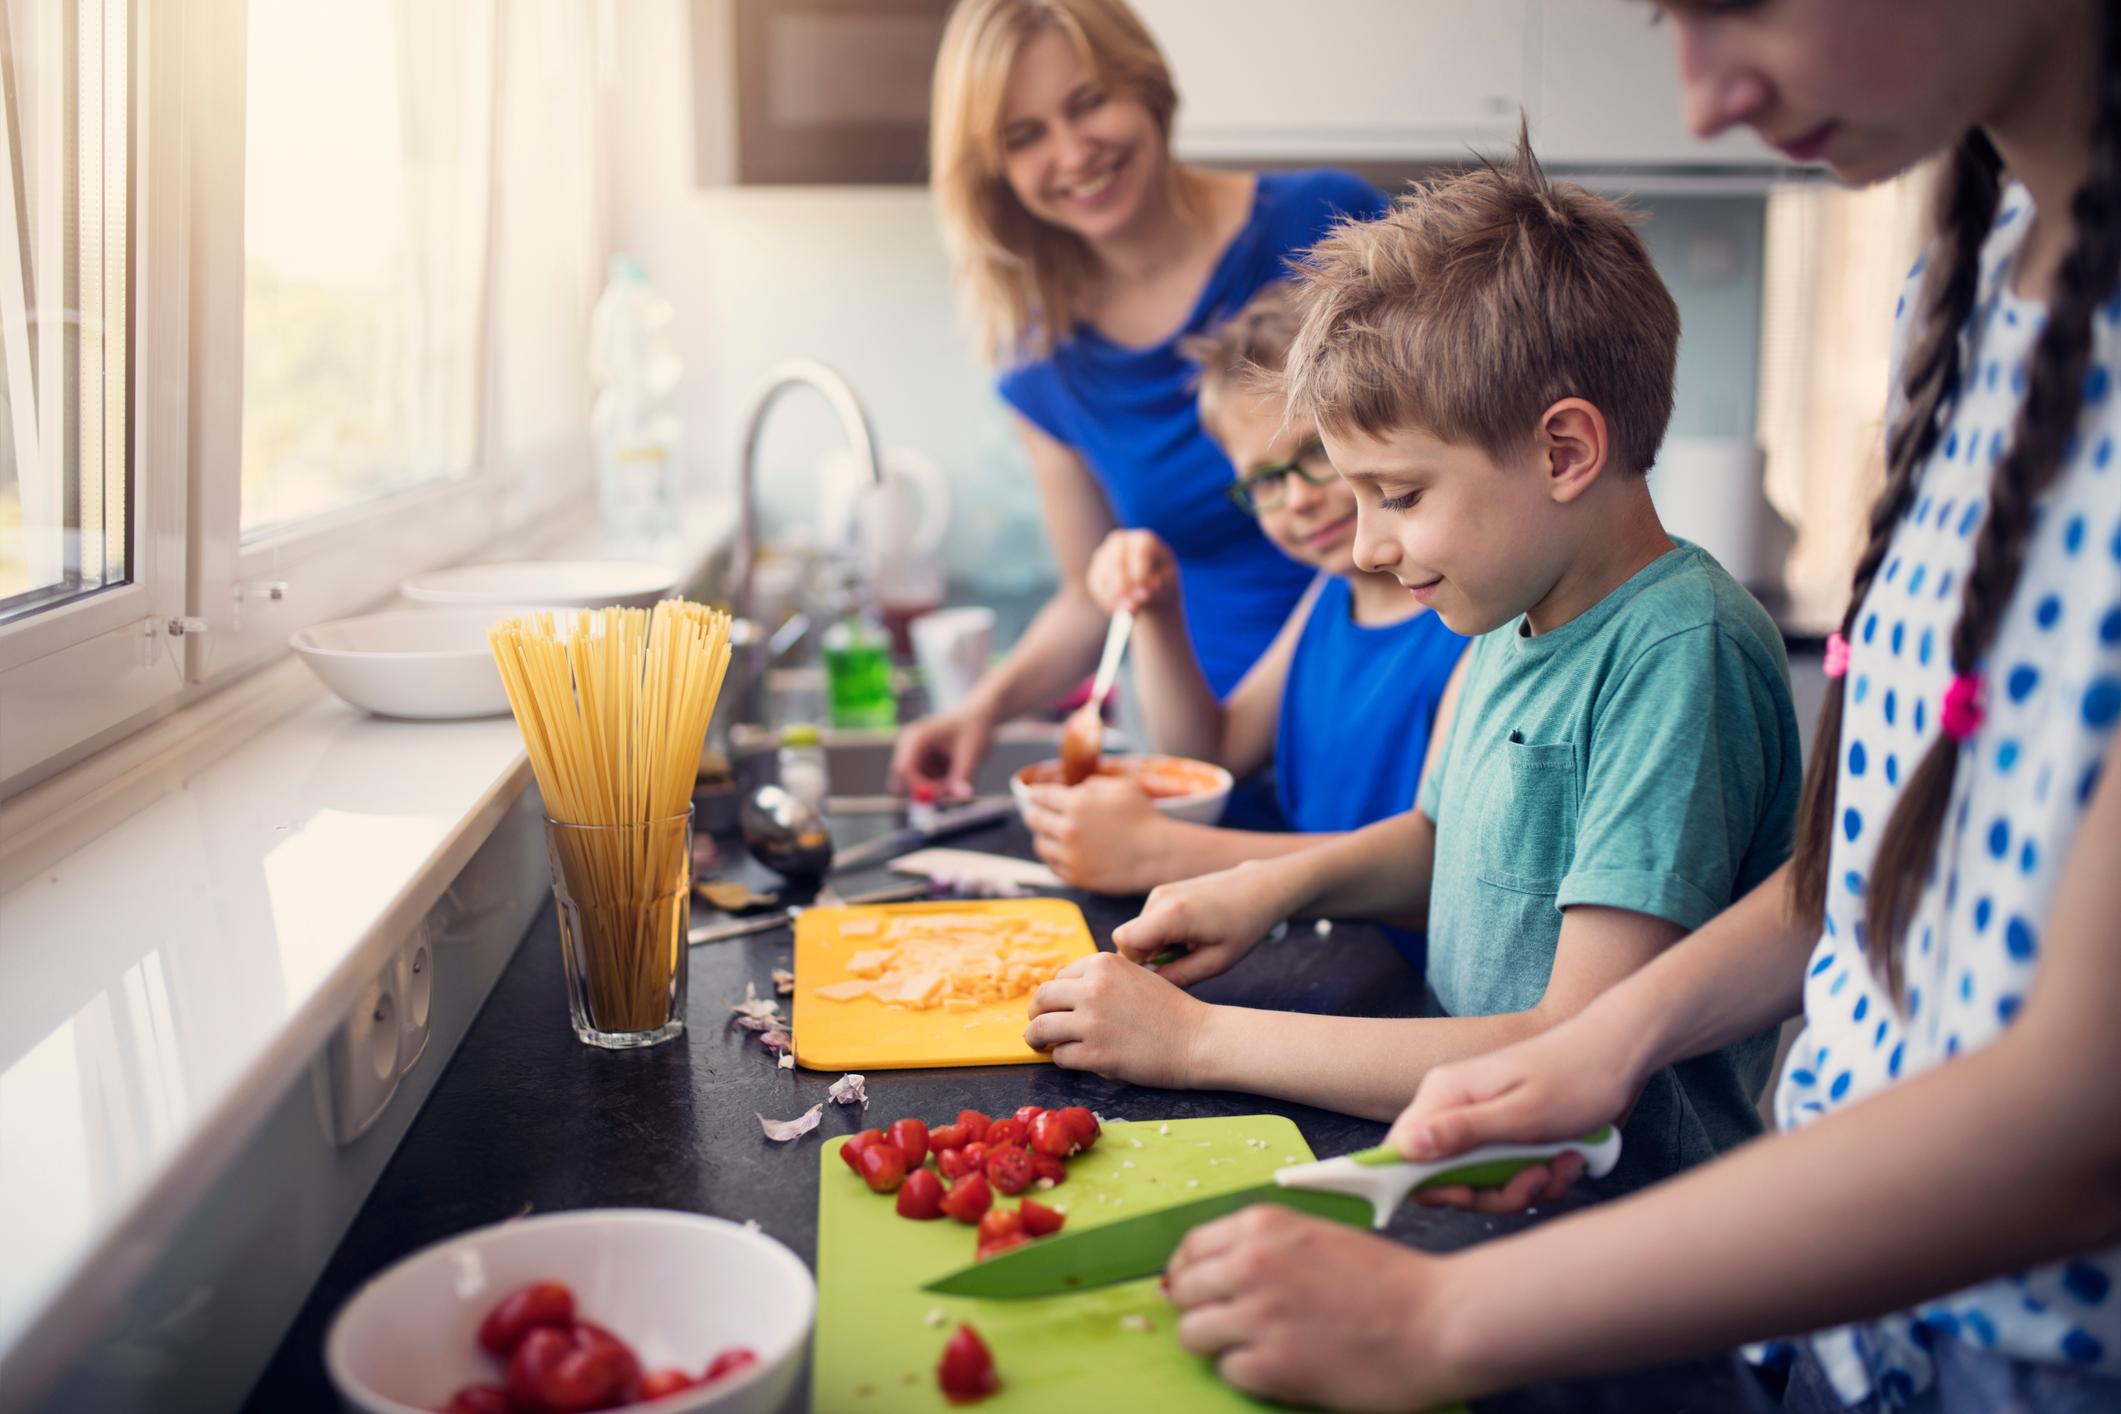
754, 653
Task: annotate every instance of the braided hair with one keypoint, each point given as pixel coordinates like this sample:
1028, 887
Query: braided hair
2040, 444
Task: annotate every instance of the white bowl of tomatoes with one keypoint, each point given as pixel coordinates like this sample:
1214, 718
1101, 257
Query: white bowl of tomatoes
607, 1308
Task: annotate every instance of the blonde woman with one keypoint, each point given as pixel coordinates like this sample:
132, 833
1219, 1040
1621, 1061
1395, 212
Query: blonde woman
1085, 254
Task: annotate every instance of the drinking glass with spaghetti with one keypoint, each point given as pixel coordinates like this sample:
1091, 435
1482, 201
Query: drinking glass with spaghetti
613, 705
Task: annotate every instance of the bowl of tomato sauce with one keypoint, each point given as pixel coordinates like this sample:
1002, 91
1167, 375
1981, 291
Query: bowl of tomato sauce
1179, 786
664, 1312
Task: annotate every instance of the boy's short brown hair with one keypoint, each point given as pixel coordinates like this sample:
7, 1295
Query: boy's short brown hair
1245, 352
1475, 304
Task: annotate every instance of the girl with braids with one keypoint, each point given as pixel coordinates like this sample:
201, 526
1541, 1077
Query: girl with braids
1942, 1211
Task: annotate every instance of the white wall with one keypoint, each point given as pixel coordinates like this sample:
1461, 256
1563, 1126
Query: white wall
854, 276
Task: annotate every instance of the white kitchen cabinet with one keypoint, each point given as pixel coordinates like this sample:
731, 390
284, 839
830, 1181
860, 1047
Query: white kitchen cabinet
1426, 80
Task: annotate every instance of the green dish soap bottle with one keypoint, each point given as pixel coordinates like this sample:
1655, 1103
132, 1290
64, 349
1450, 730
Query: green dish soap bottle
858, 667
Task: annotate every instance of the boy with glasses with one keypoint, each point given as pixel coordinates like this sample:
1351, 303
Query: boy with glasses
1359, 659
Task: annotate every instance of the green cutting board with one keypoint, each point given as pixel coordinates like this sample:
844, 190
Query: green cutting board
879, 1335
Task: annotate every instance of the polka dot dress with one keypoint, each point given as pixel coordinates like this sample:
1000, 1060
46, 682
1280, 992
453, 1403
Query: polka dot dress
2052, 697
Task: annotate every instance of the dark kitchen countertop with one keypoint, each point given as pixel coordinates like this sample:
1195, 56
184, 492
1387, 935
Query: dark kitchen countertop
527, 1119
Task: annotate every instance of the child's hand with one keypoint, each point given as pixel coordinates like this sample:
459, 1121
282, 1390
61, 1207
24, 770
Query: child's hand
1297, 1309
1556, 1085
1132, 569
1217, 918
1105, 1014
1101, 835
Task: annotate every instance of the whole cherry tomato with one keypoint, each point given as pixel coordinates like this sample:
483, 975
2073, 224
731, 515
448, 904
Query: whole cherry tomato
969, 1198
594, 1375
1009, 1170
920, 1197
974, 1124
966, 1371
851, 1151
1050, 1134
531, 1364
882, 1167
911, 1137
542, 1303
1082, 1124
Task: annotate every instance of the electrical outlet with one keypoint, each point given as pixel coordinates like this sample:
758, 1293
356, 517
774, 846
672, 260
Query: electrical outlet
357, 1072
416, 985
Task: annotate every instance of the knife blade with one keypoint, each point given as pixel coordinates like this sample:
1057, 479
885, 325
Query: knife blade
782, 917
948, 822
1362, 1189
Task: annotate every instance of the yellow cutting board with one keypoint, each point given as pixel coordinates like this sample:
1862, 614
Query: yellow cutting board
866, 1034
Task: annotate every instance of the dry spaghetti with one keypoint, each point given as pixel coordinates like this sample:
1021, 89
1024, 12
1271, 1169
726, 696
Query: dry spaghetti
613, 705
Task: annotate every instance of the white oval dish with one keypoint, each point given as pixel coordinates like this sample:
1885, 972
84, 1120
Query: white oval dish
1201, 807
678, 1287
574, 584
427, 664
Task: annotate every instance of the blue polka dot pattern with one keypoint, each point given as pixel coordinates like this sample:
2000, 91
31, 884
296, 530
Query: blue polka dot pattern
2023, 679
1858, 758
2102, 700
2019, 937
2086, 1284
1852, 822
2048, 612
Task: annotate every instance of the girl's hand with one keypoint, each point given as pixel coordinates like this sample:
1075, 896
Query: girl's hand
1132, 569
1217, 918
1298, 1309
1557, 1085
1102, 835
942, 750
1107, 1015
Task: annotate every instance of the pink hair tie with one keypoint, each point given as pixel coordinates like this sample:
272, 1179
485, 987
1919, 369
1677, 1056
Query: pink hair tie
1962, 706
1837, 656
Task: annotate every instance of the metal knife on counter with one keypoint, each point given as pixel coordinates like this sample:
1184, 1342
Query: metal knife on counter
781, 917
953, 821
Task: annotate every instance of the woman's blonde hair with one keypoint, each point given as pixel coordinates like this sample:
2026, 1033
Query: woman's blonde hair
1018, 275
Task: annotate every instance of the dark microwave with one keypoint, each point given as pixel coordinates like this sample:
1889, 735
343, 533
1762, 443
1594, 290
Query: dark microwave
812, 92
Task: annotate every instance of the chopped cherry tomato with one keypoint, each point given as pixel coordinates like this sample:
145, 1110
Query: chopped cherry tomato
1050, 1134
975, 1154
594, 1375
953, 1164
882, 1167
1038, 1219
1009, 1170
657, 1383
480, 1399
946, 1136
531, 1364
1004, 1132
1028, 1114
542, 1303
968, 1198
735, 1360
1000, 1245
974, 1124
1083, 1123
911, 1137
1000, 1223
851, 1151
1047, 1167
966, 1371
920, 1197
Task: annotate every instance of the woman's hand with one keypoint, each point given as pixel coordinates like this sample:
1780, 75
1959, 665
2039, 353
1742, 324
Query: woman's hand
1132, 569
942, 750
1557, 1085
1104, 835
1105, 1014
1311, 1312
1217, 918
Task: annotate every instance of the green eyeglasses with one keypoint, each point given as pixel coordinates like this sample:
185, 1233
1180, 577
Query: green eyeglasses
1267, 487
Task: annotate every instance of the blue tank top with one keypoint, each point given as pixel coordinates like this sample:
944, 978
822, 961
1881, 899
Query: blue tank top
1356, 713
1131, 415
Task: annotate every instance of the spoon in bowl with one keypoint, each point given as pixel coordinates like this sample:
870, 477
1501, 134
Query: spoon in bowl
1083, 736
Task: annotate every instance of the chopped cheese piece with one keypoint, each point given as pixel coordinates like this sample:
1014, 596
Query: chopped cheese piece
953, 960
860, 926
872, 963
846, 991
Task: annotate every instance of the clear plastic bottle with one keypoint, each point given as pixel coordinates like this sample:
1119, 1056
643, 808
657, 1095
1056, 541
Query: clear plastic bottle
636, 429
803, 771
858, 665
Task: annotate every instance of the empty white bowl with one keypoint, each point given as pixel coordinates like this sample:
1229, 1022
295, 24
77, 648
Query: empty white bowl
677, 1287
423, 663
1197, 807
572, 584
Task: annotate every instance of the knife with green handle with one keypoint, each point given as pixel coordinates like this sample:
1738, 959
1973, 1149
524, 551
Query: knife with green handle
1362, 1189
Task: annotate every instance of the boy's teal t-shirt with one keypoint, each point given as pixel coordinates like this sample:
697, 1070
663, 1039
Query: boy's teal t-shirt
1642, 756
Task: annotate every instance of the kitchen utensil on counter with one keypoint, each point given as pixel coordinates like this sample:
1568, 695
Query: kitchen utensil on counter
952, 647
1115, 1348
425, 664
613, 707
780, 917
865, 1034
678, 1287
973, 815
579, 584
971, 866
1363, 1189
1083, 737
784, 834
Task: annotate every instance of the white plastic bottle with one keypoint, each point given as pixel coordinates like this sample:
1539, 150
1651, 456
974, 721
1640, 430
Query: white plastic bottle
634, 368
